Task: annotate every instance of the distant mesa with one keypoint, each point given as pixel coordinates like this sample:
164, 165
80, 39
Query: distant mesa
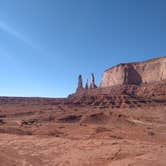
137, 73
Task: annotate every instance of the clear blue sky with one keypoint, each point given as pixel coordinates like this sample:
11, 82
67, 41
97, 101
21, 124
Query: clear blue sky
45, 44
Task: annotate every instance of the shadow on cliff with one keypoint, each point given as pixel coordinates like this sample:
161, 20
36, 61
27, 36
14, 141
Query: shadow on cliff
131, 76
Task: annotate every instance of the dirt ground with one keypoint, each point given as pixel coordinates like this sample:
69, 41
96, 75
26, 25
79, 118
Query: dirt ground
50, 132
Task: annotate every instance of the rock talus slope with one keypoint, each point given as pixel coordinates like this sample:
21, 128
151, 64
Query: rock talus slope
135, 73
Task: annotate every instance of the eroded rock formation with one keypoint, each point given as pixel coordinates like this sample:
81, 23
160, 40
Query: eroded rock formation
80, 83
86, 85
135, 73
92, 82
80, 86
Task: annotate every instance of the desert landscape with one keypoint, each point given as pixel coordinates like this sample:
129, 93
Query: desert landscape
120, 123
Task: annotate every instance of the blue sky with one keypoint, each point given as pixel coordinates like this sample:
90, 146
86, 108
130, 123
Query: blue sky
45, 44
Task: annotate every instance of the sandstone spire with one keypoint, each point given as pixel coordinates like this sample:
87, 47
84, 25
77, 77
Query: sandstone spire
79, 87
92, 82
86, 85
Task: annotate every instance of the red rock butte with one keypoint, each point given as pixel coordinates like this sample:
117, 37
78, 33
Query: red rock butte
135, 73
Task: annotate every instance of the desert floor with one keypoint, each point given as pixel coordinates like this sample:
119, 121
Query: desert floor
55, 134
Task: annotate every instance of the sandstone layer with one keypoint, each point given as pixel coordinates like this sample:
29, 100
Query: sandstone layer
135, 73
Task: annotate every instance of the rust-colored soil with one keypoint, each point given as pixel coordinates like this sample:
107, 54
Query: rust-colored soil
123, 126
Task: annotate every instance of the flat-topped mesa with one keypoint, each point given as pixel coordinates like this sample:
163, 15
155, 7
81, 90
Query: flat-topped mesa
135, 73
92, 82
80, 86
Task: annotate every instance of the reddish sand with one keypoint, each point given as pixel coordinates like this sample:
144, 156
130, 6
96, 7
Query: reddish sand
123, 128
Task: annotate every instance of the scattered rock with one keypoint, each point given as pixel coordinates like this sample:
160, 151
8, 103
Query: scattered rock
101, 129
29, 122
151, 133
70, 118
99, 117
2, 122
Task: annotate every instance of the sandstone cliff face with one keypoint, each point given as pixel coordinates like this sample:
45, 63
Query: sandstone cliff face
135, 73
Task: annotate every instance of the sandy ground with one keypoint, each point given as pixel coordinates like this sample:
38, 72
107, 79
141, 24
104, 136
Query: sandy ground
34, 150
72, 135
